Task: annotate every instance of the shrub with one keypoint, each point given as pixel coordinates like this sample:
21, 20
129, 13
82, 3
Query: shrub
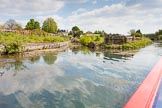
12, 46
85, 40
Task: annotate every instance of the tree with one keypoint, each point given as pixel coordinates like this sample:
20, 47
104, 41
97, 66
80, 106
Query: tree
70, 33
135, 33
132, 32
138, 33
76, 31
158, 34
34, 59
32, 24
49, 25
37, 25
11, 24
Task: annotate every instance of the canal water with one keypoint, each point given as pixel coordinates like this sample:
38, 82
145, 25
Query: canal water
75, 78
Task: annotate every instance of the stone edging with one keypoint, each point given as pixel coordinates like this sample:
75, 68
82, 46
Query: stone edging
41, 46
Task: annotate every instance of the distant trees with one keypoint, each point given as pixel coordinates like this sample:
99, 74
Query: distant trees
135, 33
102, 33
32, 24
12, 25
158, 34
132, 32
62, 30
49, 25
76, 31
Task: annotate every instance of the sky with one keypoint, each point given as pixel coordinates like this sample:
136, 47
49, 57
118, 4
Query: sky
112, 16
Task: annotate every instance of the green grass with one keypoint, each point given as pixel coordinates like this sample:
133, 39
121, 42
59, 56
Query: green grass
12, 37
131, 45
137, 44
13, 42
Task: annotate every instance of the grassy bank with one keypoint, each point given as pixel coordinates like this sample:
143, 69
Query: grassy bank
131, 45
12, 37
99, 41
137, 44
13, 42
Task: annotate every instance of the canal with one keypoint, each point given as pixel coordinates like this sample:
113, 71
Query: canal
75, 78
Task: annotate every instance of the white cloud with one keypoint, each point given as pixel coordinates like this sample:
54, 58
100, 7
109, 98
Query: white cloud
29, 7
58, 19
94, 2
118, 18
77, 1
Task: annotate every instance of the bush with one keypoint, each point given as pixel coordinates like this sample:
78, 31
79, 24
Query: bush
11, 48
85, 40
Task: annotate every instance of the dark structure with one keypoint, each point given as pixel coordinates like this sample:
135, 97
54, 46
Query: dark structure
119, 39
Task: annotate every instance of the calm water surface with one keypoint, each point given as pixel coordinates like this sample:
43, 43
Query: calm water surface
74, 78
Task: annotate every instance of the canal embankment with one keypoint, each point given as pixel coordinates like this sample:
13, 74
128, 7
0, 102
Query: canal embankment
28, 47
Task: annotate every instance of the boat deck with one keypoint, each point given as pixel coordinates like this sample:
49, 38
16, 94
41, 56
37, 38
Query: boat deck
158, 98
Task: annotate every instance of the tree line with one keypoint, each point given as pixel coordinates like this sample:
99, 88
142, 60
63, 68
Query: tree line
49, 25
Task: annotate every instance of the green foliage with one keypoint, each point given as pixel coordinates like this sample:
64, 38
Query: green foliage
85, 40
160, 37
157, 35
101, 33
70, 33
39, 32
137, 44
14, 47
32, 24
76, 31
132, 31
37, 25
49, 25
136, 33
158, 32
13, 42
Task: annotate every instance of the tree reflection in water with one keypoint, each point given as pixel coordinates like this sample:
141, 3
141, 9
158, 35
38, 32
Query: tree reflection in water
49, 58
84, 50
16, 66
34, 59
117, 57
